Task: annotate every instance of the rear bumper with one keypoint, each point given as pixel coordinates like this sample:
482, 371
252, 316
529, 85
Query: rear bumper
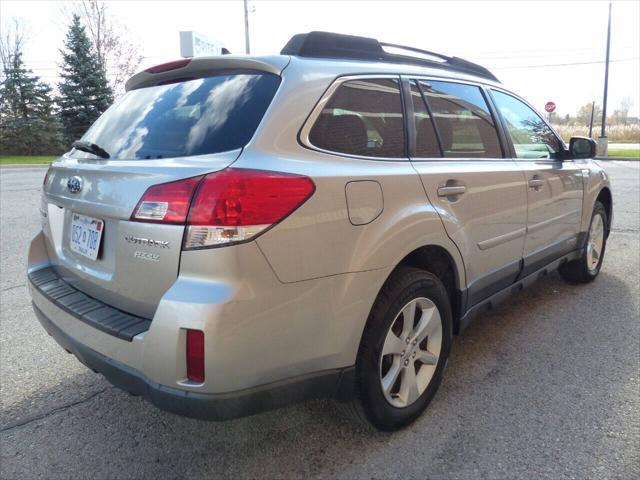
336, 383
89, 310
267, 344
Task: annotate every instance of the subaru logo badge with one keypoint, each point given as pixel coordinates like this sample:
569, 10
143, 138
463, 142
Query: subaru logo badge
74, 184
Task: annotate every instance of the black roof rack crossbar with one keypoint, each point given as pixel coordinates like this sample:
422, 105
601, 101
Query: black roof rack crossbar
336, 45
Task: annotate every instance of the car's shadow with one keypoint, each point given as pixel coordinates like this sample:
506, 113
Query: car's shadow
510, 352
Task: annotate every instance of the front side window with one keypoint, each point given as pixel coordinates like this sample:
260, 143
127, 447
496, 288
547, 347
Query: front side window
364, 118
463, 120
531, 137
194, 117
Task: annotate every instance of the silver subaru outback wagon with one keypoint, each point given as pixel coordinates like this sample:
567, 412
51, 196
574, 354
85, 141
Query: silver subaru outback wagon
239, 233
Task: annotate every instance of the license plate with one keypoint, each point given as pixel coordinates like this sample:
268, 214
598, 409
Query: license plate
86, 233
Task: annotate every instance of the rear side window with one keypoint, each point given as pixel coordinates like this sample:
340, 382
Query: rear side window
363, 117
195, 117
531, 137
463, 120
426, 141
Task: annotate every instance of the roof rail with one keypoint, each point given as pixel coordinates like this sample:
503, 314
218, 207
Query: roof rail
337, 45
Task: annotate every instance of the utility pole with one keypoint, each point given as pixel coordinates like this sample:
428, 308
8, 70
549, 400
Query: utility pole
603, 141
246, 26
593, 109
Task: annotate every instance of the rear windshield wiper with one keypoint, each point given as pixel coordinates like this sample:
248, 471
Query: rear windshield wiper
91, 148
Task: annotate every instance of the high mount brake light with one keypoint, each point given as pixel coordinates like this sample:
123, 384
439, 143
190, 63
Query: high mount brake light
165, 67
230, 206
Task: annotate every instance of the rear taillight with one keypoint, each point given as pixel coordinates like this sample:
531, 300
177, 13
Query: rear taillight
235, 205
230, 206
166, 202
195, 356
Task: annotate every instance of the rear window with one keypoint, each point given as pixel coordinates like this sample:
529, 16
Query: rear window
363, 117
195, 117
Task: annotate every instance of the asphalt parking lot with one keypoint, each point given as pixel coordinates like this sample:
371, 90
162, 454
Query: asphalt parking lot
548, 386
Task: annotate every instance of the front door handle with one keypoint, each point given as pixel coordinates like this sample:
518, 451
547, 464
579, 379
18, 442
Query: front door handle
536, 183
451, 191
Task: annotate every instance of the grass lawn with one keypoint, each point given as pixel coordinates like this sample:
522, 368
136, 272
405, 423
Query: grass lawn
21, 159
624, 153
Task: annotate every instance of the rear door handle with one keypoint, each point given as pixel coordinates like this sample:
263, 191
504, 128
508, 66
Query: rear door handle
536, 183
451, 191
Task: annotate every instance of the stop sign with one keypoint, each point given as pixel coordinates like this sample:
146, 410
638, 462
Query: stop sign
550, 107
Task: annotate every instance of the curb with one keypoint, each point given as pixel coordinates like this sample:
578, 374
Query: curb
619, 159
25, 165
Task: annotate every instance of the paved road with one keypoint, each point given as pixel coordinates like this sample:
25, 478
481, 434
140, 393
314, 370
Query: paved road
546, 387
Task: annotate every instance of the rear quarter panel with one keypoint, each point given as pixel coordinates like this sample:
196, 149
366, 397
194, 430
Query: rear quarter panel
319, 239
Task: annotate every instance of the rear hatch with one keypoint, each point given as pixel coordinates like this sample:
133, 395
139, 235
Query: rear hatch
153, 135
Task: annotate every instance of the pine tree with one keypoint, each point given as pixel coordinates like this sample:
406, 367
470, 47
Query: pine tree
84, 90
28, 125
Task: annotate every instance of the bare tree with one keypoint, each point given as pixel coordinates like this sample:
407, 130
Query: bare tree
117, 53
625, 106
584, 114
12, 41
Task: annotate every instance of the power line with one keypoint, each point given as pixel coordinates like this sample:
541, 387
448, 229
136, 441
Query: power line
562, 64
114, 71
552, 50
546, 52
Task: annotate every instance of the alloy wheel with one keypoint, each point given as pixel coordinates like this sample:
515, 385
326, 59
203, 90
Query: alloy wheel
410, 352
595, 243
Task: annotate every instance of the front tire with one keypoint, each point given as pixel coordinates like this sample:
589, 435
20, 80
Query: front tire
404, 349
586, 268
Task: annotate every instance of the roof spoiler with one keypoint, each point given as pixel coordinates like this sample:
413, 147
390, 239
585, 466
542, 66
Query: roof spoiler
199, 67
336, 45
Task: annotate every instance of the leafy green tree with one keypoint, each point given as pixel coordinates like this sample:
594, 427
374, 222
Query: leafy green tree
28, 125
84, 89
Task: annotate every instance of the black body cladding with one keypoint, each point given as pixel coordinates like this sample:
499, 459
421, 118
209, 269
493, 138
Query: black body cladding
89, 310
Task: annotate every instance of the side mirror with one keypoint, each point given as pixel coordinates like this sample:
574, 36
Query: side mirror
582, 147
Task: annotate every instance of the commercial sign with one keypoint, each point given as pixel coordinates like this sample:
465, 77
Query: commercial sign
194, 44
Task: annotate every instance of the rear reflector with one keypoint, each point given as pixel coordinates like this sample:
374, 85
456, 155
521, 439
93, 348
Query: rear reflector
166, 202
235, 205
195, 356
165, 67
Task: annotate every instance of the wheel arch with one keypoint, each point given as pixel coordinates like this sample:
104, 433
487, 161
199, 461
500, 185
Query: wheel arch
439, 261
605, 197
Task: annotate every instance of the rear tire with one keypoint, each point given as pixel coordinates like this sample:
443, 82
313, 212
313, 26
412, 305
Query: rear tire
586, 268
400, 362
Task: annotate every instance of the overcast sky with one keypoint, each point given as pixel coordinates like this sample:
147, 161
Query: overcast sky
543, 50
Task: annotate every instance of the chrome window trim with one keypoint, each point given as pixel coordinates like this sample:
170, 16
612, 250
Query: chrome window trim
303, 136
480, 85
461, 159
443, 79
